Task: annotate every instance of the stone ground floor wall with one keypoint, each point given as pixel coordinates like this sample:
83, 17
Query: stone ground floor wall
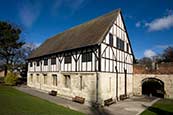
90, 85
87, 90
108, 85
167, 79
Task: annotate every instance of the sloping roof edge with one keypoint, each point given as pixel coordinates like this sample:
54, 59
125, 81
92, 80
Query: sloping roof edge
99, 41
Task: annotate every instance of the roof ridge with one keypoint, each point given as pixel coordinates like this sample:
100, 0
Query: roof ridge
88, 21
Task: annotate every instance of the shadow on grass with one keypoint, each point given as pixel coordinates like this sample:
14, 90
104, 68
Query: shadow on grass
159, 111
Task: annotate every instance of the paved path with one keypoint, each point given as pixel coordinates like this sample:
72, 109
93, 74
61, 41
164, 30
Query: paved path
132, 106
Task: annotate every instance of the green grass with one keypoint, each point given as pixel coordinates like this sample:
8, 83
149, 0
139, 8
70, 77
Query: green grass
162, 107
14, 102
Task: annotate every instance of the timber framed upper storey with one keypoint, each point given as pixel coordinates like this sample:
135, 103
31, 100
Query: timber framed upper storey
99, 45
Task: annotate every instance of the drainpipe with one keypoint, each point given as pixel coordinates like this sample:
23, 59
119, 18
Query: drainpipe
97, 75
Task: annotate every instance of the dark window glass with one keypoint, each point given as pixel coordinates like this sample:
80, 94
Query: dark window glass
31, 64
37, 63
86, 57
67, 59
120, 44
53, 61
45, 61
111, 39
127, 47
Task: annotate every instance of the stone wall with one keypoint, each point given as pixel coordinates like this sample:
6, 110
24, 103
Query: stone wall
163, 72
87, 90
163, 68
95, 86
167, 79
108, 87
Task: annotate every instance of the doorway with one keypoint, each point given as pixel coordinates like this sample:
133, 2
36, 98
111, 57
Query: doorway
153, 87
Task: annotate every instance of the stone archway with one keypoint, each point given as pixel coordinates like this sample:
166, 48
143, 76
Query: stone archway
153, 87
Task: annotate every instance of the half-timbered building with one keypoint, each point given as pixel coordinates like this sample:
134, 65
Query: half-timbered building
93, 60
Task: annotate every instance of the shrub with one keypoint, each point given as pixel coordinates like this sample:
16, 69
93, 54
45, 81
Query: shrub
1, 79
11, 79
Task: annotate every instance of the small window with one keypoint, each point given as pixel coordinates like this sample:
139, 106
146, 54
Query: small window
45, 78
37, 63
120, 44
53, 61
31, 78
67, 59
67, 81
38, 78
45, 61
87, 57
31, 64
54, 79
110, 39
81, 83
110, 84
127, 47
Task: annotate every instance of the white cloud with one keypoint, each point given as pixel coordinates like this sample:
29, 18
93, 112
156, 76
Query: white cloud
29, 12
165, 22
138, 24
31, 46
37, 44
149, 53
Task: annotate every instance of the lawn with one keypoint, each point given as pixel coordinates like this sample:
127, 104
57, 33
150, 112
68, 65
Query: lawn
14, 102
162, 107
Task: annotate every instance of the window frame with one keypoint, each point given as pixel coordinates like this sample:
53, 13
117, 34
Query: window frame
67, 81
31, 64
127, 47
111, 40
55, 80
38, 78
87, 57
120, 44
38, 63
31, 78
53, 61
45, 78
81, 82
67, 59
45, 62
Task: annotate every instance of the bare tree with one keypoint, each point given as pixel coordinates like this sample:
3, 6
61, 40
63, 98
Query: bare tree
147, 62
168, 54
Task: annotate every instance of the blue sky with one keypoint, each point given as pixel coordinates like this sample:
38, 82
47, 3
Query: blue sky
149, 22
